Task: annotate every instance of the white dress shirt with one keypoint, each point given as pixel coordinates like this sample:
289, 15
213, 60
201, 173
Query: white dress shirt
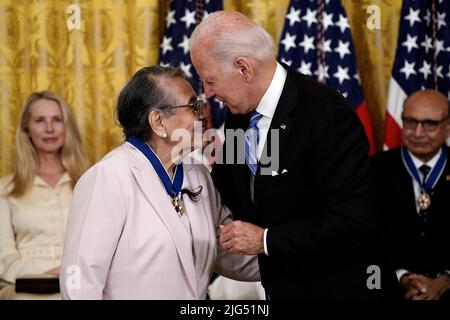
266, 108
418, 163
417, 189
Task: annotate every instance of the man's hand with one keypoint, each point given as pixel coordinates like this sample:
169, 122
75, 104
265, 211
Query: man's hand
420, 287
413, 288
242, 238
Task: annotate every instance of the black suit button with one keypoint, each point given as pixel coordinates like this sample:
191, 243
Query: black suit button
422, 234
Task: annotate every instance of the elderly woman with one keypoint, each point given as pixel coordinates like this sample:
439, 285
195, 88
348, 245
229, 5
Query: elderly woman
35, 199
143, 225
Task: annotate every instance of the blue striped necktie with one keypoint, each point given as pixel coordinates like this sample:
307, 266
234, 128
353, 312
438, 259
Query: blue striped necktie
251, 142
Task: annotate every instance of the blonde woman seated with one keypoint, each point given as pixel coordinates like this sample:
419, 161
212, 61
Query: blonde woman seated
143, 225
35, 199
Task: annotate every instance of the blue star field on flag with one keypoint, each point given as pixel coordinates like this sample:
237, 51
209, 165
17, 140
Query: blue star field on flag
298, 48
422, 59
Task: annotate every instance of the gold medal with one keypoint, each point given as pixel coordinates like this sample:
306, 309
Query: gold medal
179, 205
424, 201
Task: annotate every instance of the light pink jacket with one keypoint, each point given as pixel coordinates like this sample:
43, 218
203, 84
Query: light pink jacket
126, 241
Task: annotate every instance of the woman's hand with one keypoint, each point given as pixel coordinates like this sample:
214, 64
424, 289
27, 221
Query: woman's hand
54, 271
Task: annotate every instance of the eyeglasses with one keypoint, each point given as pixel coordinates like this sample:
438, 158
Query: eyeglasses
427, 124
197, 106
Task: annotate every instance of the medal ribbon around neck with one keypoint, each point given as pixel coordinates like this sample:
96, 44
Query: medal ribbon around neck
434, 175
173, 188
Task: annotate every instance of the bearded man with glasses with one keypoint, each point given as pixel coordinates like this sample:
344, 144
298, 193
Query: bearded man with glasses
412, 199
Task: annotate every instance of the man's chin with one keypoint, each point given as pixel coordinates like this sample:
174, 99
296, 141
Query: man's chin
420, 148
423, 154
236, 110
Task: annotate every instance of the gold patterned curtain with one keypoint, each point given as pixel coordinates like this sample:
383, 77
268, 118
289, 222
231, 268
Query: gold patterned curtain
86, 50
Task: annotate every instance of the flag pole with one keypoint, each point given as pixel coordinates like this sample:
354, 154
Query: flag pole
199, 12
434, 39
320, 40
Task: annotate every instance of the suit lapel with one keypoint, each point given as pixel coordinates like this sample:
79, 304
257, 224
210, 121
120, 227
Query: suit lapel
242, 180
410, 198
155, 193
241, 173
198, 218
283, 123
282, 120
405, 188
443, 183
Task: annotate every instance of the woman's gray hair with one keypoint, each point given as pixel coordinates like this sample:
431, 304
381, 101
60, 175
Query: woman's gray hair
140, 96
230, 34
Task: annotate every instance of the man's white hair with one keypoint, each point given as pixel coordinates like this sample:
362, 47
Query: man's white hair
230, 34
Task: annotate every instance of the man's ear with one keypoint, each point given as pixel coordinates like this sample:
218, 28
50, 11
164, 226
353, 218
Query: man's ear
156, 121
244, 67
448, 128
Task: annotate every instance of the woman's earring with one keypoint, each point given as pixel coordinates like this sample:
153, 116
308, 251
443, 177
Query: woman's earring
165, 135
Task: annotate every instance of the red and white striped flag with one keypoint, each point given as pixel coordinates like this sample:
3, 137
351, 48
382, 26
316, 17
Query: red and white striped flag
422, 59
317, 42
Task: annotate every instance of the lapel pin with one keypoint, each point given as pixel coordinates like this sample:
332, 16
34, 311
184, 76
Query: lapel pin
283, 126
447, 177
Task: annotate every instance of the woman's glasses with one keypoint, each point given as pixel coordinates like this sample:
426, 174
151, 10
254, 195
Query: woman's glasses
197, 106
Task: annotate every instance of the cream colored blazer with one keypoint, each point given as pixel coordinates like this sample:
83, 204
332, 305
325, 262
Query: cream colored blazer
125, 240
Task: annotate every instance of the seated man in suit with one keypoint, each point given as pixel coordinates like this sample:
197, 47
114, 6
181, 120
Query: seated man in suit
413, 191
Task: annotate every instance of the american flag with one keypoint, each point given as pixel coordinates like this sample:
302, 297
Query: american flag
317, 42
182, 17
422, 59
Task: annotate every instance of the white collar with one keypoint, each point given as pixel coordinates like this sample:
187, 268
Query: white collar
65, 178
431, 163
269, 101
